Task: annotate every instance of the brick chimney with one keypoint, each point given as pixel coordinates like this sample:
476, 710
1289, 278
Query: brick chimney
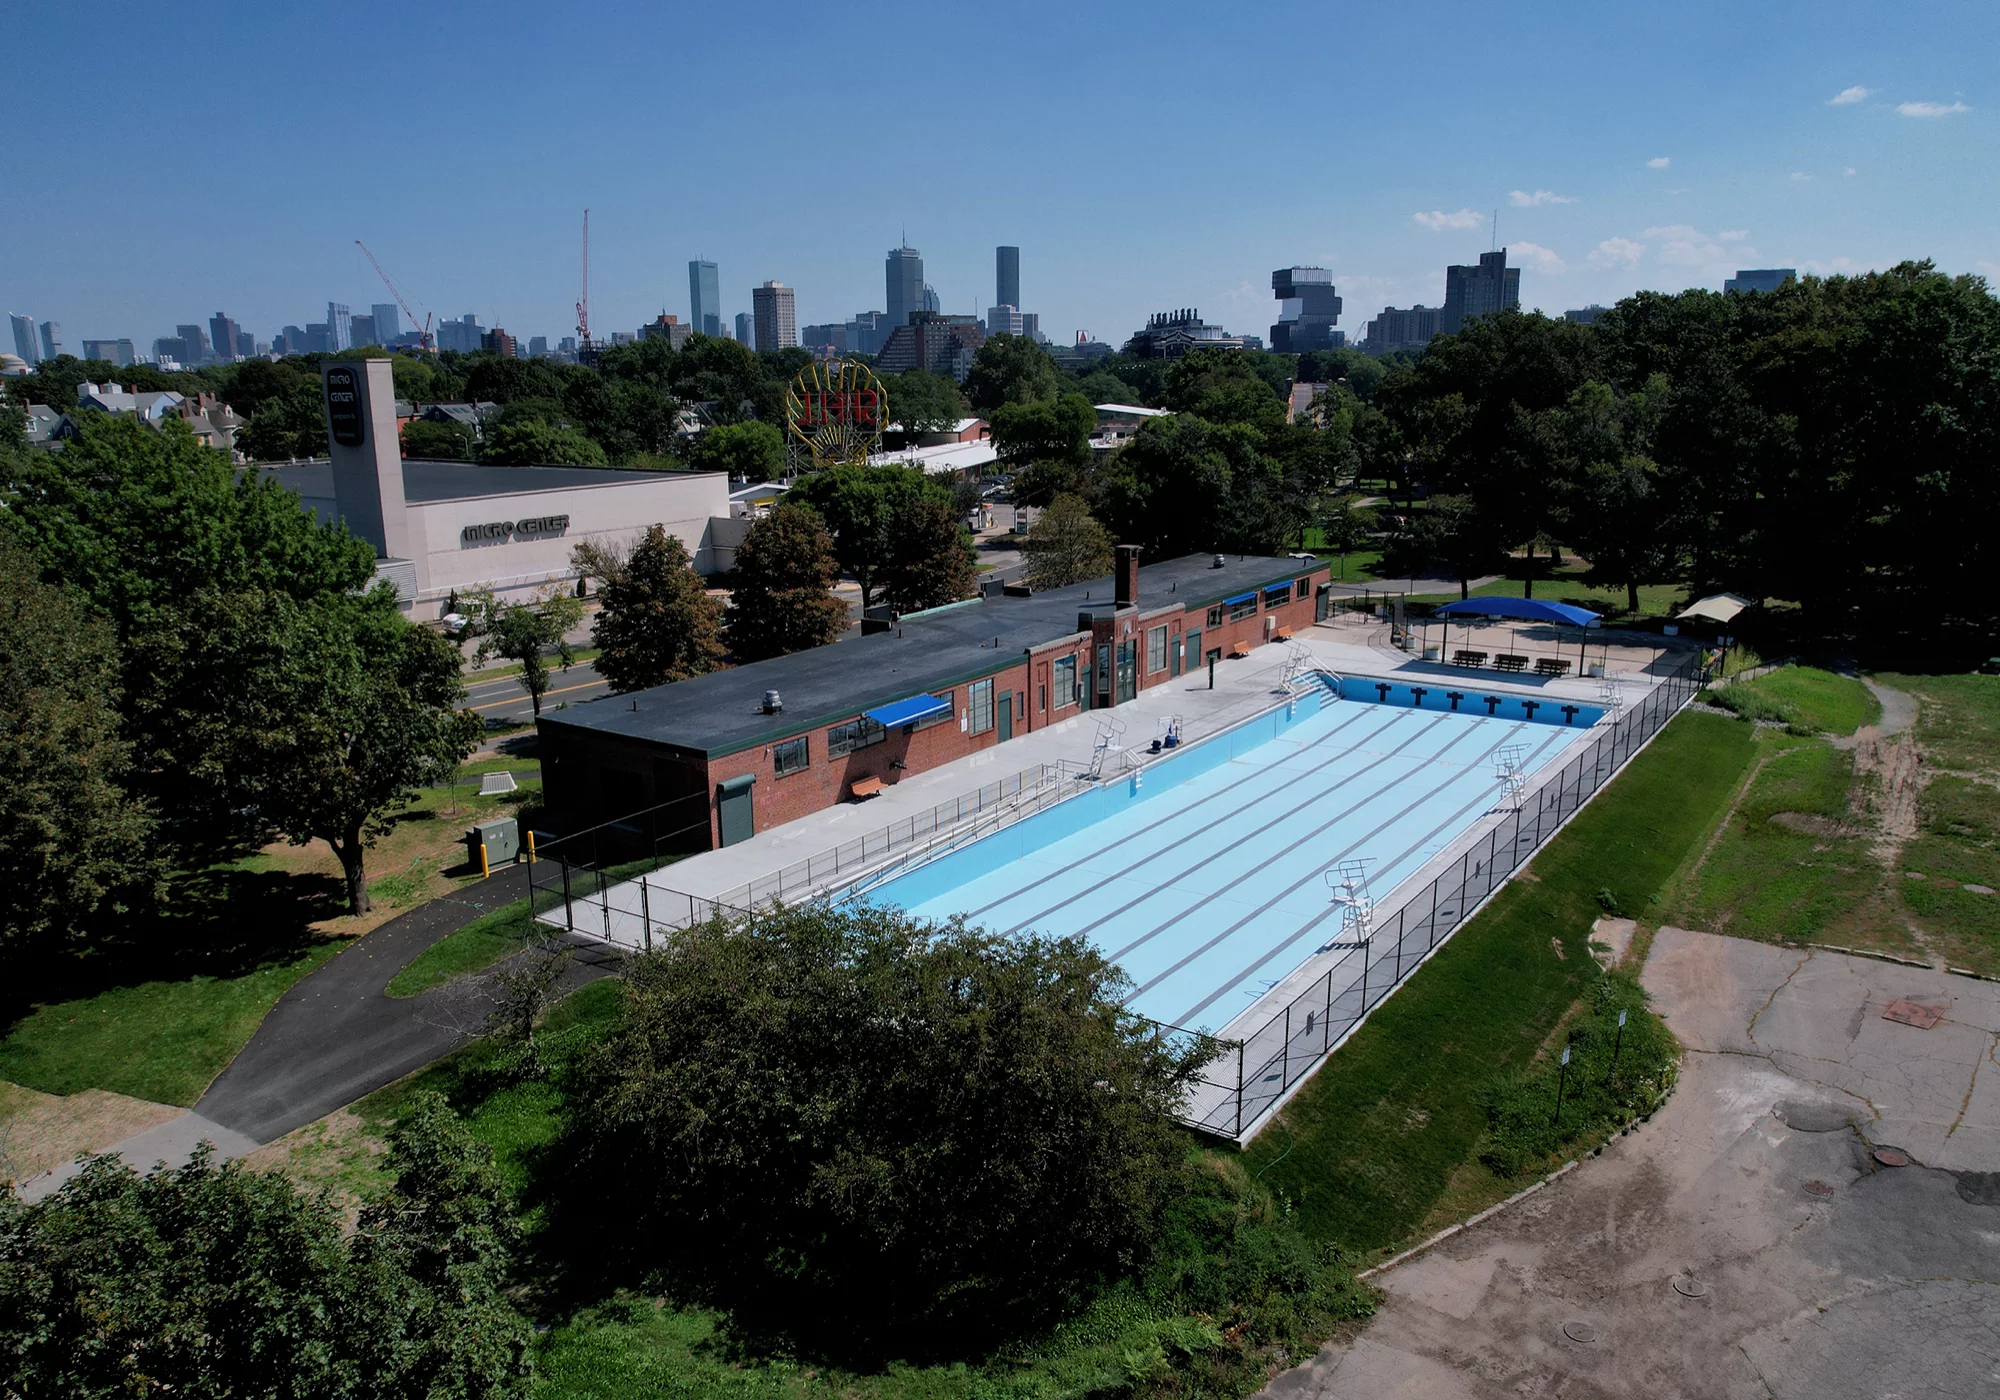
1128, 576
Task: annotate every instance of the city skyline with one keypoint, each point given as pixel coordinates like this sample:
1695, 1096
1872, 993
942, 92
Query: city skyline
1653, 157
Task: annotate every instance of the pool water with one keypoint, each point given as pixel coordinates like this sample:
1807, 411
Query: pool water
1202, 875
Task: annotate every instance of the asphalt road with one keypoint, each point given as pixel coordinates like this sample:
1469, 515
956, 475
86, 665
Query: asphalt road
505, 702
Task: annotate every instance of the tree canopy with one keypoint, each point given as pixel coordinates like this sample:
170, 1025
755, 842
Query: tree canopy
1011, 369
860, 506
1066, 545
656, 622
782, 599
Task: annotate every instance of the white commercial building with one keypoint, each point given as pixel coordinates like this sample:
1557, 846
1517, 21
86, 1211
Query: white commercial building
441, 528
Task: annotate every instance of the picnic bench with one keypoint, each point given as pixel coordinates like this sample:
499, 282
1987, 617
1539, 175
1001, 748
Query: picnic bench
1508, 662
864, 787
1551, 666
1239, 651
1474, 659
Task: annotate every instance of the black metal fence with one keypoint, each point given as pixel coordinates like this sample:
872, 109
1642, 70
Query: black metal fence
1254, 1073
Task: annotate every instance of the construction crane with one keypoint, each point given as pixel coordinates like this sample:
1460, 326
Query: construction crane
423, 332
586, 352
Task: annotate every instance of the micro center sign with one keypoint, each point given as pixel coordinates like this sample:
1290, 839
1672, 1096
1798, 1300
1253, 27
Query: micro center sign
498, 530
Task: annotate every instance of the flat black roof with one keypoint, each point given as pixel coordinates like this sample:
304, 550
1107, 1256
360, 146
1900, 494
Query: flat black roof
722, 712
427, 480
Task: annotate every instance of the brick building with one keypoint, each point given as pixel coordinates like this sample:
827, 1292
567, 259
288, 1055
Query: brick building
712, 760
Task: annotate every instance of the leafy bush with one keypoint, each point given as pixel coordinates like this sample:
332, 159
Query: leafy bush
1611, 1079
868, 1124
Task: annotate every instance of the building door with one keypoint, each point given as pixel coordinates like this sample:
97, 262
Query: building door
736, 809
1173, 659
1193, 650
1322, 602
1128, 670
1003, 711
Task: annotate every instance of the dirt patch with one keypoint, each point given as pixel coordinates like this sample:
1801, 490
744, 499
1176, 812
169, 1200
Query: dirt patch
39, 1132
337, 1153
1813, 824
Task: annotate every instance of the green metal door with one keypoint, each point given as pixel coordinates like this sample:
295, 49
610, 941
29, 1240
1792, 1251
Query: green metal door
1003, 707
1193, 649
737, 811
1322, 602
1128, 671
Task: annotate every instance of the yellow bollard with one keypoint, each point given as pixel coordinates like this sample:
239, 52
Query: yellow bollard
531, 846
484, 868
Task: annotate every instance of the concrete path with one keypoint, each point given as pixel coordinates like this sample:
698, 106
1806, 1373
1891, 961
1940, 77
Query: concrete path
1753, 1238
334, 1037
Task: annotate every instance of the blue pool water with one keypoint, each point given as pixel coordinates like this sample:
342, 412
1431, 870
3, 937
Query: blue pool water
1203, 880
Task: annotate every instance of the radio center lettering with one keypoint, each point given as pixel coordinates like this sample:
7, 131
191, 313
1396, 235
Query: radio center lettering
513, 529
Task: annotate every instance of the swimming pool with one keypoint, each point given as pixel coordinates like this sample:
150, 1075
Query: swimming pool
1201, 874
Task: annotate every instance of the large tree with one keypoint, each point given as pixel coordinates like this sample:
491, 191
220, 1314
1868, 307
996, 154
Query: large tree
879, 1125
1011, 369
923, 402
1066, 545
782, 599
1186, 486
71, 836
932, 560
525, 633
747, 451
1046, 445
860, 505
657, 623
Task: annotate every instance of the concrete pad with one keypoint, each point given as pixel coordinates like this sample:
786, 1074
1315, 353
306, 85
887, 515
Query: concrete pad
172, 1143
1709, 989
1615, 936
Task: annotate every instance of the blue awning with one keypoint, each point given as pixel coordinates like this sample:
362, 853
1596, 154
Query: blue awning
1526, 609
1240, 598
908, 711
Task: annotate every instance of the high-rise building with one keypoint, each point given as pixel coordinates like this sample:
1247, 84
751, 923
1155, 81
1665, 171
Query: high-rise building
1585, 315
743, 327
828, 339
940, 344
24, 338
776, 321
222, 333
1471, 292
337, 328
462, 335
1031, 327
667, 328
903, 274
1409, 329
246, 344
538, 347
867, 331
388, 323
1003, 320
704, 298
501, 343
362, 329
1308, 306
1760, 279
1007, 276
931, 302
52, 345
118, 352
194, 345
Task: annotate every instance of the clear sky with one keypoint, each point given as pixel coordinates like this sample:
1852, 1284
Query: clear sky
161, 165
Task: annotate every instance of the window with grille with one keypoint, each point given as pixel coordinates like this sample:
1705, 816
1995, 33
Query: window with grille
789, 757
979, 700
844, 739
1067, 691
1215, 616
1156, 649
1246, 607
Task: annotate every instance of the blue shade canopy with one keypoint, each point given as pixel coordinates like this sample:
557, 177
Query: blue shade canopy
1526, 609
908, 711
1240, 598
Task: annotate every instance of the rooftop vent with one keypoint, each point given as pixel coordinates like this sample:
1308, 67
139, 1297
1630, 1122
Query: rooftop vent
773, 702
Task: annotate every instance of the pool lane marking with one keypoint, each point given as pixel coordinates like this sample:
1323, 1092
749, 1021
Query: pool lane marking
1484, 795
1196, 805
1316, 796
1282, 852
1294, 887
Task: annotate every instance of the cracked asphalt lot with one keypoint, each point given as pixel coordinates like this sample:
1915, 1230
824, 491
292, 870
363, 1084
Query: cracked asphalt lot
1749, 1240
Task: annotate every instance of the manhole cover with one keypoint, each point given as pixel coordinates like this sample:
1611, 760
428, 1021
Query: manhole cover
1689, 1286
1818, 1188
1579, 1331
1912, 1013
1890, 1157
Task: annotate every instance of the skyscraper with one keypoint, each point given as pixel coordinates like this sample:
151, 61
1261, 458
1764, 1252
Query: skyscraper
704, 298
1003, 320
1472, 292
1308, 306
1007, 277
903, 271
222, 334
194, 344
363, 330
388, 324
1759, 279
743, 327
52, 345
24, 338
776, 321
118, 352
338, 330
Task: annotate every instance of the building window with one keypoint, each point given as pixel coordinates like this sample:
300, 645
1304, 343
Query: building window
1240, 608
941, 716
1156, 650
1277, 596
1215, 616
843, 739
1067, 690
789, 757
1304, 588
979, 700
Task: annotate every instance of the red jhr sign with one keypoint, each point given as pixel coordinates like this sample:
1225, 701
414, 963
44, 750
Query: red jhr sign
861, 407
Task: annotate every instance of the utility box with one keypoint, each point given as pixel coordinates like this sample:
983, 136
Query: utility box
501, 839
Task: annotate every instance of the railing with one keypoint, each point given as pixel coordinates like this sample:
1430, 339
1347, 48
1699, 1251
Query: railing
1253, 1074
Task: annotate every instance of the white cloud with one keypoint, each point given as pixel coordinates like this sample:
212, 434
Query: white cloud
1732, 235
1800, 175
1850, 170
1682, 190
1846, 96
1243, 294
1521, 199
1932, 109
1660, 162
1438, 219
1616, 252
1535, 256
1683, 246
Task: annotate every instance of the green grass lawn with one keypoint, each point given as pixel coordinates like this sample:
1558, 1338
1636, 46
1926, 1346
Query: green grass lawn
162, 1041
1804, 697
1375, 1140
1958, 719
480, 944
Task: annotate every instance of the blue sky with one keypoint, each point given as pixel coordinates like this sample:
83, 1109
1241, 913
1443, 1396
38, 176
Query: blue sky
164, 165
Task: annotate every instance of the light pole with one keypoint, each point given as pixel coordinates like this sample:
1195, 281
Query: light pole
1561, 1078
